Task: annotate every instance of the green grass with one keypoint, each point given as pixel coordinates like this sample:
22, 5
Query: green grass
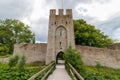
102, 73
15, 74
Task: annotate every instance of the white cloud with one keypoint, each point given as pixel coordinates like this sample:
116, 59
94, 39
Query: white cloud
38, 19
39, 10
116, 34
104, 14
15, 8
98, 10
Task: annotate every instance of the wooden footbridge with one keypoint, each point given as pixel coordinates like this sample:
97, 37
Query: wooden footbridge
57, 72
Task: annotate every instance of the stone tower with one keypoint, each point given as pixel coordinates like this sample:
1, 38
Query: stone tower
60, 34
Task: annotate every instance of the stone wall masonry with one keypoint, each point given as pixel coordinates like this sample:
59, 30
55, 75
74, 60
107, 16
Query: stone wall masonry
115, 46
106, 57
33, 52
90, 55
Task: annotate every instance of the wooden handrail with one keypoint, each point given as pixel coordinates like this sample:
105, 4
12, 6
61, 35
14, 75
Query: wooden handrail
38, 73
72, 74
75, 72
44, 77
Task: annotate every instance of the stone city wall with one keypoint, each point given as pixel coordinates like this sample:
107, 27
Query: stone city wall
106, 57
33, 52
90, 55
115, 46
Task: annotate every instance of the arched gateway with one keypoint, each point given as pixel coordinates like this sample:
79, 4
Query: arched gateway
59, 57
60, 34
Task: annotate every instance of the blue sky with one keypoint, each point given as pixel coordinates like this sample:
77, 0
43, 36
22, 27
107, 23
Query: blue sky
104, 14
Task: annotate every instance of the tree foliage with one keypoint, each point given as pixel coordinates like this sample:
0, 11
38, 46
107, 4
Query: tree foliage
4, 50
86, 34
14, 31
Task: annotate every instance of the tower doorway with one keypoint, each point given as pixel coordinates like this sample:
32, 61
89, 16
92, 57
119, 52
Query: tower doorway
60, 58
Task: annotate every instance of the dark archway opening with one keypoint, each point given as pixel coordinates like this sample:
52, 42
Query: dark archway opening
60, 58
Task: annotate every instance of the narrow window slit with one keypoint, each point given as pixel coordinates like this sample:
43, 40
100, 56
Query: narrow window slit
60, 32
66, 22
60, 45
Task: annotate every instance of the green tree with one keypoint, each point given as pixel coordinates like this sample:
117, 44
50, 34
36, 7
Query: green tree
21, 32
14, 31
86, 34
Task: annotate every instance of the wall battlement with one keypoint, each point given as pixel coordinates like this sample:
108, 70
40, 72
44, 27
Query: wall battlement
60, 12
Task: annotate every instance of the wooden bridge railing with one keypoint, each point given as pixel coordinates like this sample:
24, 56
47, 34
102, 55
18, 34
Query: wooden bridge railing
74, 74
45, 72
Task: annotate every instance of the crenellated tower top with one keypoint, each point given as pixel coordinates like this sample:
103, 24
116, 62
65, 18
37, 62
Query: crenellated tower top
61, 12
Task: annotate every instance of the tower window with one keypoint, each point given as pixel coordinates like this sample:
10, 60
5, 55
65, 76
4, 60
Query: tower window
62, 21
60, 45
60, 32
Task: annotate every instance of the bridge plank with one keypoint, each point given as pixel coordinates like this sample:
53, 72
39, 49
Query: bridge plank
60, 73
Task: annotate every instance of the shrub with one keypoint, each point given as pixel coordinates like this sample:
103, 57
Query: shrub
98, 65
74, 58
13, 61
22, 63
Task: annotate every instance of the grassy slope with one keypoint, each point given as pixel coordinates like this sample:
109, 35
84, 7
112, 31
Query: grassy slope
101, 73
15, 74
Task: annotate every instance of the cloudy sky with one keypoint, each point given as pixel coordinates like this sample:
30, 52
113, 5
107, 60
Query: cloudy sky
104, 14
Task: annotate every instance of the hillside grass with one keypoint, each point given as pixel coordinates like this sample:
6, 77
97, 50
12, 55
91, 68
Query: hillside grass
101, 73
15, 74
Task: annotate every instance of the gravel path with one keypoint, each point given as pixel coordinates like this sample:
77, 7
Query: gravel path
59, 73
